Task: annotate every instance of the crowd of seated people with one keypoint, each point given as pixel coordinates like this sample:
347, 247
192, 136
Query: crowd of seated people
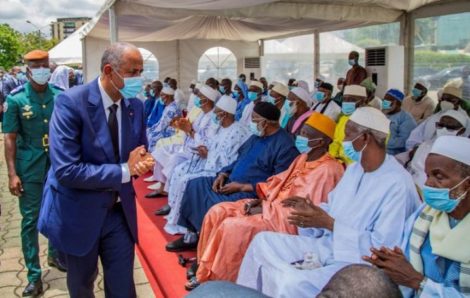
280, 188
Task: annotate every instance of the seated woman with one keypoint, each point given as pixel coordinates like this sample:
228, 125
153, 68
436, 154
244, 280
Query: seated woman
435, 260
229, 227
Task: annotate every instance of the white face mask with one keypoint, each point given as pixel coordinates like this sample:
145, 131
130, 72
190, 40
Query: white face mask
446, 106
40, 75
446, 132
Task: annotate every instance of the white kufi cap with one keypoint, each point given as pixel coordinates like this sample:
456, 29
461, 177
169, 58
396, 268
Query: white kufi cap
371, 118
456, 148
355, 90
210, 93
168, 91
228, 104
303, 95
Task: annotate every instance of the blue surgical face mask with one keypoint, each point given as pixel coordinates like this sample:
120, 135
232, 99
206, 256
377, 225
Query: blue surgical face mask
439, 198
301, 143
319, 96
235, 94
416, 92
160, 101
386, 104
255, 130
349, 150
290, 87
197, 102
222, 89
40, 75
271, 99
152, 93
215, 119
348, 108
132, 86
252, 95
352, 62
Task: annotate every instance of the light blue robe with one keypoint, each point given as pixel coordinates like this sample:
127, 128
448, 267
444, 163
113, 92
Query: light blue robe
370, 210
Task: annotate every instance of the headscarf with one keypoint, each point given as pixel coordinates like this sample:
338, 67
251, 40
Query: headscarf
241, 105
60, 77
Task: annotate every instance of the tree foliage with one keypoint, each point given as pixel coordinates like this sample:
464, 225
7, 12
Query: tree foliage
10, 52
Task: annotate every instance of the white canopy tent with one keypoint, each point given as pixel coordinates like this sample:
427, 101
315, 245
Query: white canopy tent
68, 51
178, 32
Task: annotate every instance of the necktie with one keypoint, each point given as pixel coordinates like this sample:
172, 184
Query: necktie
114, 130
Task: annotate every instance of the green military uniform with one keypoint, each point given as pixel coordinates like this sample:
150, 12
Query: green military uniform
28, 114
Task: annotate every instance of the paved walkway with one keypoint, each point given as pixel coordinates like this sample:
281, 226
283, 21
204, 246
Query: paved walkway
12, 269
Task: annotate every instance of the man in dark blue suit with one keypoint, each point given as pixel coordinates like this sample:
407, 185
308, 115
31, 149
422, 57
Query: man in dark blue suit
12, 81
97, 143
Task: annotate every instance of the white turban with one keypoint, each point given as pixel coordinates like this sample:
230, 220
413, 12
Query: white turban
228, 104
210, 93
371, 118
461, 117
168, 91
456, 148
257, 84
303, 95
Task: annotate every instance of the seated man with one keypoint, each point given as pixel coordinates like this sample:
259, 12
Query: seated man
299, 103
229, 227
451, 123
278, 97
197, 133
162, 128
451, 99
436, 262
418, 103
255, 93
368, 207
401, 123
353, 98
372, 100
325, 103
221, 151
268, 152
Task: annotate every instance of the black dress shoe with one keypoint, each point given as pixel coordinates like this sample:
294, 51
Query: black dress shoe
57, 263
165, 210
192, 271
180, 245
155, 194
33, 289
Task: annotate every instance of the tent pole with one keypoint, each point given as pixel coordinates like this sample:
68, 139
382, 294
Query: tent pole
407, 32
178, 56
316, 54
113, 30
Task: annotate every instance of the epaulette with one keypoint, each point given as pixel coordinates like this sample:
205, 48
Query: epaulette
17, 90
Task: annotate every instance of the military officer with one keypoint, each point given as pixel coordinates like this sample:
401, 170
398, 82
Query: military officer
27, 112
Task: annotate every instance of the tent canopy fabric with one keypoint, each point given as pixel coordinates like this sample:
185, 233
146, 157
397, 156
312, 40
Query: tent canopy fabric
241, 20
68, 51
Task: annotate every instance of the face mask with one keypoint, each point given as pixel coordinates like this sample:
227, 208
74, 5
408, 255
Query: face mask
152, 93
416, 92
40, 75
301, 143
252, 95
160, 101
222, 89
319, 96
215, 119
291, 87
386, 104
349, 150
197, 102
271, 99
166, 85
447, 106
290, 108
255, 130
235, 94
132, 86
446, 132
348, 108
439, 198
352, 62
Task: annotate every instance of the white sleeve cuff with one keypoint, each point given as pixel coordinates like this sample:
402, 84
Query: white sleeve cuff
126, 174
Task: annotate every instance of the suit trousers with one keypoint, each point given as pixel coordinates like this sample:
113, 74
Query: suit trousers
115, 248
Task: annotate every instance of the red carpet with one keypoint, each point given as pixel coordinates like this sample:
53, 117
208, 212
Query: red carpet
165, 275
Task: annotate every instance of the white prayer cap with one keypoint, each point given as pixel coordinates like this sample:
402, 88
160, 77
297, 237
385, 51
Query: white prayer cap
371, 118
281, 89
456, 148
302, 84
454, 87
257, 84
460, 116
423, 83
193, 82
355, 90
228, 104
210, 93
303, 95
168, 91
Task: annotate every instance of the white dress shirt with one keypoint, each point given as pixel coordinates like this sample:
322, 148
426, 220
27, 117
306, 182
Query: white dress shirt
107, 103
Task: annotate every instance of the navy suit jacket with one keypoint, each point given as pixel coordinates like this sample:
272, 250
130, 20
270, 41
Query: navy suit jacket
83, 175
9, 85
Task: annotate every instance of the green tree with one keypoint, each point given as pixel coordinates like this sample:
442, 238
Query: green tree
10, 51
35, 40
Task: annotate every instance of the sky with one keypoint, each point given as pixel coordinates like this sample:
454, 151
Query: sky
43, 12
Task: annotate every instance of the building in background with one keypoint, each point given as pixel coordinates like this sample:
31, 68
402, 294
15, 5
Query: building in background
64, 27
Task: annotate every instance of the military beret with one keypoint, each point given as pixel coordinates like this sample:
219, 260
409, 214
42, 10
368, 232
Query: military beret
36, 55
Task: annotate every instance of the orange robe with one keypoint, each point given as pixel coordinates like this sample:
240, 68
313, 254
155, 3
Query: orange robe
227, 231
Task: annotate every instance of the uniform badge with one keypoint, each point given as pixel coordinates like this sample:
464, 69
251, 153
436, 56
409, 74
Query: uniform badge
27, 111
